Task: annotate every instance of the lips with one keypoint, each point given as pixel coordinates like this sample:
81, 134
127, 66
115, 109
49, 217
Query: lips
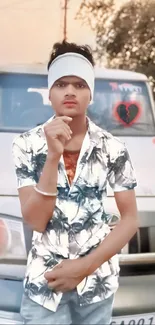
69, 102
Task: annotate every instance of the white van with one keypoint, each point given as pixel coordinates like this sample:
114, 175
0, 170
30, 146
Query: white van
123, 105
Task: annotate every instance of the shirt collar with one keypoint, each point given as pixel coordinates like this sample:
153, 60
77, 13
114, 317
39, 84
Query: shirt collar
94, 132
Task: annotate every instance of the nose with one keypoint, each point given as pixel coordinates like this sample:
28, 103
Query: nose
70, 90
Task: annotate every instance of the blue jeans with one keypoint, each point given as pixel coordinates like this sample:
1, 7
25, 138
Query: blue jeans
68, 312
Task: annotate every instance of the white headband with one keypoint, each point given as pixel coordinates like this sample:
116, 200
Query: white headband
72, 64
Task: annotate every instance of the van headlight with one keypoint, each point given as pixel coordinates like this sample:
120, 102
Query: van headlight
12, 241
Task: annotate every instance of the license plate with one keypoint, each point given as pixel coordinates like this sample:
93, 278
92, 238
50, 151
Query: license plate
141, 319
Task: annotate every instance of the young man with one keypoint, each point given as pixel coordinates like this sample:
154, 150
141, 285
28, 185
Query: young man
63, 168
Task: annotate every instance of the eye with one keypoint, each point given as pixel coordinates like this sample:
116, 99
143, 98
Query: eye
60, 84
81, 85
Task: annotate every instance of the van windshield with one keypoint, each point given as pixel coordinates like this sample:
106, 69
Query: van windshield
23, 101
123, 108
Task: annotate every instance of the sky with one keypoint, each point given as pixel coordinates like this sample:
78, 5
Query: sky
29, 28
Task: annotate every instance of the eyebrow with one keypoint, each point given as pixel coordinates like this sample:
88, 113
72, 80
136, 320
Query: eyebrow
73, 82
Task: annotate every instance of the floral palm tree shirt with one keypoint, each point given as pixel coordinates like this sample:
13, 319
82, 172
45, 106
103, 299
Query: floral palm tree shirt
79, 222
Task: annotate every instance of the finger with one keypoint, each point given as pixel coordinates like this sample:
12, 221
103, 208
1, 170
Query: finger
61, 288
49, 276
58, 124
58, 285
67, 129
54, 284
61, 124
57, 133
64, 134
60, 131
66, 119
54, 274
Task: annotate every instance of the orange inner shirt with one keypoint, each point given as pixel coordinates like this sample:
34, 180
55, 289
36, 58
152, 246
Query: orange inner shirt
70, 160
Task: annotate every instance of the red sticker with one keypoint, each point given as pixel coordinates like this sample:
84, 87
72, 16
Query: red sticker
127, 113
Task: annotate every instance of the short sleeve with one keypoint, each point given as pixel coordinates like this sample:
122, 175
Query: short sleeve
121, 175
22, 157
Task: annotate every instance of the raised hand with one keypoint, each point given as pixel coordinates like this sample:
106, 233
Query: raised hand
57, 133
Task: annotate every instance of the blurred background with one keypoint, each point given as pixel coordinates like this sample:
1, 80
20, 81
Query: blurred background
121, 32
122, 36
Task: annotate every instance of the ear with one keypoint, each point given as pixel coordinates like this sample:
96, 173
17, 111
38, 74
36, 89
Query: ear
91, 102
49, 92
50, 102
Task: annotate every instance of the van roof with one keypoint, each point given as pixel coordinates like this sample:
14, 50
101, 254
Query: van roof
101, 73
119, 74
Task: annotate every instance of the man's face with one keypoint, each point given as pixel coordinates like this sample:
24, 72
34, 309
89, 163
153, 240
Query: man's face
70, 96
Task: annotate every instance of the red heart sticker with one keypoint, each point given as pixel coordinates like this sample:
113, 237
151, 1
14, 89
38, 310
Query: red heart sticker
127, 112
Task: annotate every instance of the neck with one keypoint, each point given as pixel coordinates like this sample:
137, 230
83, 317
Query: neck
79, 125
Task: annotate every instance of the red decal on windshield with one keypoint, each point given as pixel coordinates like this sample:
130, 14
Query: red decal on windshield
114, 85
130, 87
125, 87
127, 112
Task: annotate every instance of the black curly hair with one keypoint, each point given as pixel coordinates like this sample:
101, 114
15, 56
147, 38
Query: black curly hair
65, 47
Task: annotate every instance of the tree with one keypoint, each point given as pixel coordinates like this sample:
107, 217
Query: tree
97, 15
125, 36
